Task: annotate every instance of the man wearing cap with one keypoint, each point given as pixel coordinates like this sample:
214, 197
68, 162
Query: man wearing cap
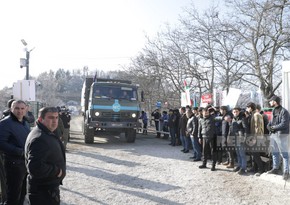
279, 129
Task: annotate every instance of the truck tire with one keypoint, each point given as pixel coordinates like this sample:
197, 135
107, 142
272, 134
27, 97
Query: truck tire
89, 135
130, 135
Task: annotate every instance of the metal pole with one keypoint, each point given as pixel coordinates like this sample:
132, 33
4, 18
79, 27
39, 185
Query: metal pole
27, 64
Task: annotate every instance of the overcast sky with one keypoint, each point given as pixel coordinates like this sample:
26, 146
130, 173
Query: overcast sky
71, 34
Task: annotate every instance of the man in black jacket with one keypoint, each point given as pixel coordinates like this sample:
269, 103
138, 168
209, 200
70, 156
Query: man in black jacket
279, 129
156, 115
13, 133
207, 137
65, 117
45, 160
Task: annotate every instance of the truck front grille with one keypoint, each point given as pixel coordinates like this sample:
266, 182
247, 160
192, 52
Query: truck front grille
115, 117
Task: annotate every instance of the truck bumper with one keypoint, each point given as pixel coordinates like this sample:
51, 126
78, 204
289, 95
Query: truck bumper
115, 125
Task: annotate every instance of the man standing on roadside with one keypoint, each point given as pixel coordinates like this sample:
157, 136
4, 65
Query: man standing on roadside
156, 115
206, 132
255, 128
279, 129
13, 133
65, 117
45, 160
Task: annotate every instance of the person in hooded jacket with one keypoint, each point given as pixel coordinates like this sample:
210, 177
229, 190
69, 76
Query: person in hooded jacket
45, 160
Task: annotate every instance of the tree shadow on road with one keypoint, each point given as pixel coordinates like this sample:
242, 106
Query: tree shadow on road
158, 200
124, 179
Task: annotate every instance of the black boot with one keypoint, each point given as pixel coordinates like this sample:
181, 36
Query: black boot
202, 166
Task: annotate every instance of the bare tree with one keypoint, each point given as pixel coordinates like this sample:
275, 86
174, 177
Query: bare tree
265, 29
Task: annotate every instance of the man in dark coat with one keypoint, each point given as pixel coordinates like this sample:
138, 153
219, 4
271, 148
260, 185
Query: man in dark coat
156, 115
45, 160
13, 133
207, 137
182, 129
65, 117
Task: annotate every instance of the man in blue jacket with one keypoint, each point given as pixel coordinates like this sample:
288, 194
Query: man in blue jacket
45, 160
13, 133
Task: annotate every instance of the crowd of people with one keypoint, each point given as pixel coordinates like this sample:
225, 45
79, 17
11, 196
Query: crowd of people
241, 139
33, 152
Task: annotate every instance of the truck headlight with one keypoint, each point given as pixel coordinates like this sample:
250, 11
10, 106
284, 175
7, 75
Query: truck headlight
133, 115
97, 114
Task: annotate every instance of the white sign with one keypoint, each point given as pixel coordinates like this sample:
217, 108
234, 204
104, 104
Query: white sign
24, 90
286, 84
232, 98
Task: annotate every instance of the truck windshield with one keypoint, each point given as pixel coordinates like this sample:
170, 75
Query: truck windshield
127, 93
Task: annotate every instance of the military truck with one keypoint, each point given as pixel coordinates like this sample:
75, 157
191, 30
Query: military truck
110, 105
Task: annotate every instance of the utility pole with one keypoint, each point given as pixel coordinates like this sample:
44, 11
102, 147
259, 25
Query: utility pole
27, 64
26, 61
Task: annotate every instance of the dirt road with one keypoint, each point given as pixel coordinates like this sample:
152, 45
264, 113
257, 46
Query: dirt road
149, 171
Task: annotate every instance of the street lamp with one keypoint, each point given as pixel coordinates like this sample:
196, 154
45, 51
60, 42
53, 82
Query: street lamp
25, 62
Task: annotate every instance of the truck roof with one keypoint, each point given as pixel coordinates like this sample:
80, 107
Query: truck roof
107, 80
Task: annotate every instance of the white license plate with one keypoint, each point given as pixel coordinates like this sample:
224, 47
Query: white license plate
116, 124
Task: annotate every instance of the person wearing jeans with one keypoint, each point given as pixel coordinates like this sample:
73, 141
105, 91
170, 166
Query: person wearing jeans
237, 129
279, 129
192, 129
279, 145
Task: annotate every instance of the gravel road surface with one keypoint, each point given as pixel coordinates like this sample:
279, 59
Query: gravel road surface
150, 171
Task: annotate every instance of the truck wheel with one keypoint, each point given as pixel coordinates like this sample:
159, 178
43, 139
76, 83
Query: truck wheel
130, 135
89, 135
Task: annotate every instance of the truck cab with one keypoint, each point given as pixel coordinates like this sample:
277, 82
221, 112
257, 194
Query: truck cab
110, 105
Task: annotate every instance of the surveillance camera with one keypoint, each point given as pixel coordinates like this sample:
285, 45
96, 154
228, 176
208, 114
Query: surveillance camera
37, 83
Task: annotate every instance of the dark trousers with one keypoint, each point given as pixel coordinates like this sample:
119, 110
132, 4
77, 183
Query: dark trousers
44, 196
144, 128
257, 159
16, 182
165, 129
178, 140
209, 149
172, 135
157, 128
